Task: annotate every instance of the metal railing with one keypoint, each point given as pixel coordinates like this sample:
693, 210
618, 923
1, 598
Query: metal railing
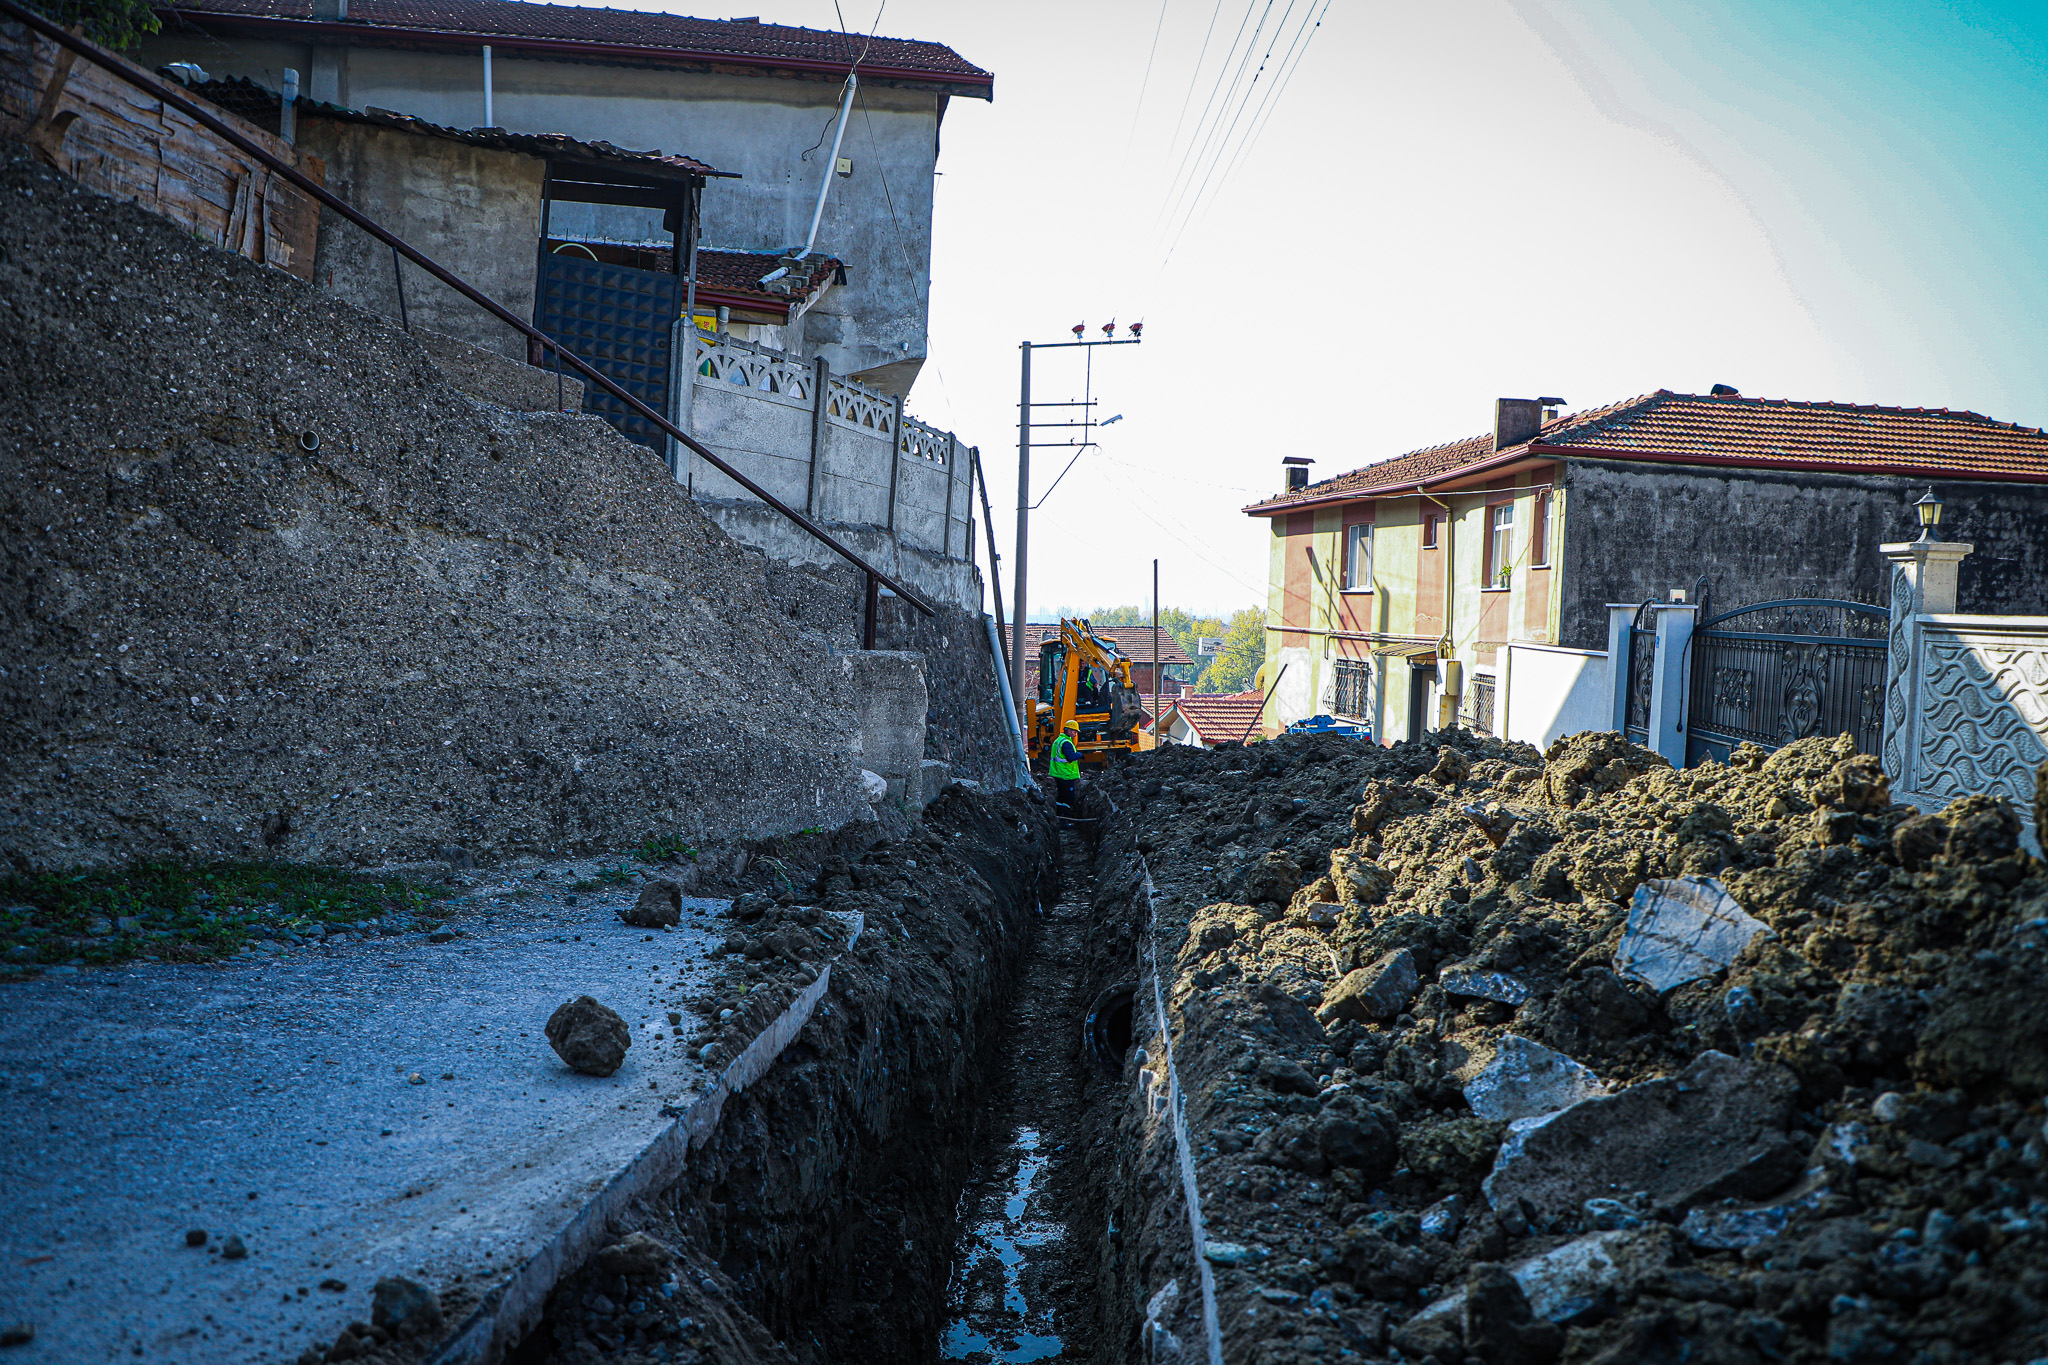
221, 128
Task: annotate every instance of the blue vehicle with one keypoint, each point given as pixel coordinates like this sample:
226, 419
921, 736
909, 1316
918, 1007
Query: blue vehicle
1329, 725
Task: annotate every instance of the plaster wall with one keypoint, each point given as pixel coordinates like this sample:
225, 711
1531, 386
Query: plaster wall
1758, 535
476, 210
758, 126
1552, 692
953, 581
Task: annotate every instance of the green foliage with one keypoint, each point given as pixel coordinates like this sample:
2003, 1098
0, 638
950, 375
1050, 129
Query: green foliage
665, 848
1244, 649
1187, 630
119, 24
182, 913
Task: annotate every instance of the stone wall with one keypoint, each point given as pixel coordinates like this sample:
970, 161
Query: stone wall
270, 587
1635, 531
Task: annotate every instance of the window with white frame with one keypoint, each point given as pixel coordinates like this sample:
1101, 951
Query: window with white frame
1500, 543
1539, 531
1358, 558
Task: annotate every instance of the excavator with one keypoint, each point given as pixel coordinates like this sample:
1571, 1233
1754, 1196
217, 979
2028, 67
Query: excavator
1082, 677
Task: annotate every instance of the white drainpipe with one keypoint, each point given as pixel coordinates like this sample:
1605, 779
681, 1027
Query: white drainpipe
490, 115
831, 163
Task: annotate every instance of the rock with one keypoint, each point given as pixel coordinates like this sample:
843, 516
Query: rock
17, 1334
1325, 914
405, 1308
752, 905
1360, 1139
636, 1255
1715, 1131
659, 906
1681, 930
1496, 822
588, 1036
1857, 783
1499, 1326
1441, 1218
1289, 1078
1526, 1079
1981, 829
1451, 767
1375, 992
1918, 840
1459, 979
441, 936
1359, 880
233, 1249
195, 1237
933, 777
1274, 877
1563, 1283
874, 787
1231, 1253
456, 857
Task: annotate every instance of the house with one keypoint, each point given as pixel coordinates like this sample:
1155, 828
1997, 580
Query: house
1216, 718
761, 101
1443, 583
1173, 666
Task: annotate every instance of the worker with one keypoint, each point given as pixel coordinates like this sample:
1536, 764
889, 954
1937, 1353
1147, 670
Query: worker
1066, 763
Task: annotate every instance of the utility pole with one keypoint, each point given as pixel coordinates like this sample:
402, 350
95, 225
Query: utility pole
1024, 426
1155, 653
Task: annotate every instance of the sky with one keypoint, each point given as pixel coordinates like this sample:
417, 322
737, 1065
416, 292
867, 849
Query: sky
1445, 204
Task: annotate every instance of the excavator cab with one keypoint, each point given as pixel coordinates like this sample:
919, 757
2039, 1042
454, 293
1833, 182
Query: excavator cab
1082, 677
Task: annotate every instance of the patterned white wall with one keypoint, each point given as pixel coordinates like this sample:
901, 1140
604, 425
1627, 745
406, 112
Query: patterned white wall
1982, 702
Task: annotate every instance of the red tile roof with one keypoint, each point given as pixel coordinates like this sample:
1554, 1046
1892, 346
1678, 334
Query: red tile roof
1219, 715
1725, 429
516, 24
1133, 642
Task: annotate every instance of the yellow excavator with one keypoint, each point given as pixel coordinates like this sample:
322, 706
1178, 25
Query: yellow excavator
1082, 677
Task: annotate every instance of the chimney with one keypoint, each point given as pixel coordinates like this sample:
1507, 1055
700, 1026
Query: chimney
1186, 691
330, 9
1295, 468
1516, 420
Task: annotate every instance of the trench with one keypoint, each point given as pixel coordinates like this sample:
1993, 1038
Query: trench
922, 1176
1024, 1260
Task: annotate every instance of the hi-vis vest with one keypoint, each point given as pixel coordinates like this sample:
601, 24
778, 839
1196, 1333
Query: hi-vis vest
1066, 760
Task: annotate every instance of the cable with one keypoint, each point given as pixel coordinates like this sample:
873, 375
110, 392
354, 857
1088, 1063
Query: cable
1235, 81
1139, 108
1275, 92
1209, 103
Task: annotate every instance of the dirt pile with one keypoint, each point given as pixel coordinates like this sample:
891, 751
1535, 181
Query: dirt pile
1504, 1056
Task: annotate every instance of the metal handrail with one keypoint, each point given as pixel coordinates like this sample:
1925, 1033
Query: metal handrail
158, 90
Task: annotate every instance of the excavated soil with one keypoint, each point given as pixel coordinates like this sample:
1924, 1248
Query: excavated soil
1882, 1048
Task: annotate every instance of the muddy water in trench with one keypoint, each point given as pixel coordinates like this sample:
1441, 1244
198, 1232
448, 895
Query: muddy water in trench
1022, 1276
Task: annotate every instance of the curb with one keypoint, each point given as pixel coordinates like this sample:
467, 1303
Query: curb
510, 1311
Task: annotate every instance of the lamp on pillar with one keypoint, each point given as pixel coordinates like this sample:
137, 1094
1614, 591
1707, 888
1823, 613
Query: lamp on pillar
1929, 511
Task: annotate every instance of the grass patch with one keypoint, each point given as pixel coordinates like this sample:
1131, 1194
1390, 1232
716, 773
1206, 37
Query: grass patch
183, 913
606, 876
665, 848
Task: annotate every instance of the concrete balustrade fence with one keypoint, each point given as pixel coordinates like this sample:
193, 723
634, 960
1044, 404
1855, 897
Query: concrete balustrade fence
896, 489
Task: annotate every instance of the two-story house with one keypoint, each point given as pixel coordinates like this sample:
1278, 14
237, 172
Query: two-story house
1426, 576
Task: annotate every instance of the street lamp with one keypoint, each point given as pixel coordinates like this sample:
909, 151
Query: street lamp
1929, 511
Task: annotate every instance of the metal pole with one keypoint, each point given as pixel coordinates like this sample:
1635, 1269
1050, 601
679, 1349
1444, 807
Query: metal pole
1155, 652
203, 115
1023, 549
874, 602
995, 578
398, 273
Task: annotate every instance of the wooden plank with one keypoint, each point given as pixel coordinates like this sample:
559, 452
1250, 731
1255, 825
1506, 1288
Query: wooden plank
112, 137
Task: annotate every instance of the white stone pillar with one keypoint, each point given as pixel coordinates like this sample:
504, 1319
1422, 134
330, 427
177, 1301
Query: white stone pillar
1923, 584
1620, 615
1668, 682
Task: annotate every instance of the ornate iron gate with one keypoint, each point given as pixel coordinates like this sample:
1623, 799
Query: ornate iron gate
1780, 671
618, 318
1642, 669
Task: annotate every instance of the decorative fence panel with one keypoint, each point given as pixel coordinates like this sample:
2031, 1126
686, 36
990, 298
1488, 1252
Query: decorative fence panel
762, 372
1779, 671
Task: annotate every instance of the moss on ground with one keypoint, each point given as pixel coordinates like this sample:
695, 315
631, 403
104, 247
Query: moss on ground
182, 913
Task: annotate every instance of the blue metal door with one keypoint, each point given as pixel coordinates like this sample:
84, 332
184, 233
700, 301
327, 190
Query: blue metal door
620, 319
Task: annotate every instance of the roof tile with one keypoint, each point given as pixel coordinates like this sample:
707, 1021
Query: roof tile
1730, 429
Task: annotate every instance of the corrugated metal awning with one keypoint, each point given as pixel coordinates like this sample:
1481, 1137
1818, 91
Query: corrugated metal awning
1407, 651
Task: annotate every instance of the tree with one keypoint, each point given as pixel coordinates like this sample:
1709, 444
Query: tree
119, 24
1244, 649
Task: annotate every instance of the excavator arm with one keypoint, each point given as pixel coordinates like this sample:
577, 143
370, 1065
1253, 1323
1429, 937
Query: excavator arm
1083, 678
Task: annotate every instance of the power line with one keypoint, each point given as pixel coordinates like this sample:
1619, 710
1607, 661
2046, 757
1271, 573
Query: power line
1268, 105
1145, 84
1218, 125
1209, 102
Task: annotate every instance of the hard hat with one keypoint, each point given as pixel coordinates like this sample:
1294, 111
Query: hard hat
1073, 725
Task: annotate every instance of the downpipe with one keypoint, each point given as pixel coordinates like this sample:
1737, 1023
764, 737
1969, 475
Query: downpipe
995, 650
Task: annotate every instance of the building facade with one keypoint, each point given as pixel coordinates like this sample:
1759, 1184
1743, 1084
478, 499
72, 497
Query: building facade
1406, 593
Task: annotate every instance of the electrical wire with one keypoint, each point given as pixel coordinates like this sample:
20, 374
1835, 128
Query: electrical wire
1208, 104
1236, 80
1223, 144
1144, 84
1275, 92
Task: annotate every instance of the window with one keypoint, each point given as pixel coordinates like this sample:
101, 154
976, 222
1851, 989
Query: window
1358, 558
1539, 531
1354, 688
1429, 530
1500, 543
1476, 713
